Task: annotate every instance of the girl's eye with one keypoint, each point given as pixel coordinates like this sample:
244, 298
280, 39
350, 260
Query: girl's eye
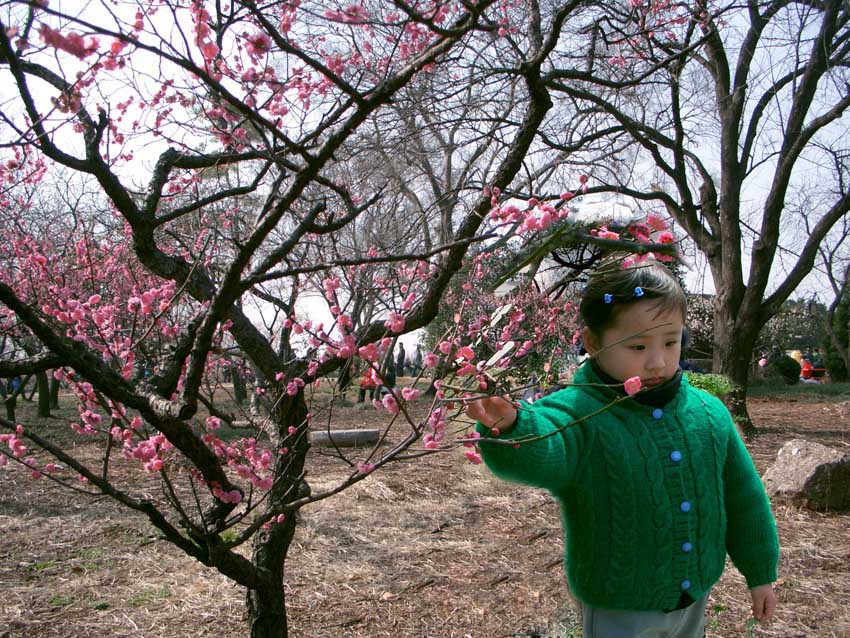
672, 344
636, 347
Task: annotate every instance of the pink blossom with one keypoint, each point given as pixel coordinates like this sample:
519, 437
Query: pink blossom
390, 404
656, 222
666, 237
431, 360
365, 468
473, 456
632, 385
467, 369
369, 352
258, 44
209, 50
395, 322
410, 394
72, 43
234, 496
465, 353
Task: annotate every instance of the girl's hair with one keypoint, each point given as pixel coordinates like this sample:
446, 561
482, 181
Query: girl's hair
614, 286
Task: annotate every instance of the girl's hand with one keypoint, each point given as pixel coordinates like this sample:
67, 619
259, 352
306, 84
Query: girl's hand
494, 412
764, 601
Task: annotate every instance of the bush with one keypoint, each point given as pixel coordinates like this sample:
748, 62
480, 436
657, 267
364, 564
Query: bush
717, 384
785, 367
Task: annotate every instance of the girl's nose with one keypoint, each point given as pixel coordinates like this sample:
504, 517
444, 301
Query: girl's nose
655, 361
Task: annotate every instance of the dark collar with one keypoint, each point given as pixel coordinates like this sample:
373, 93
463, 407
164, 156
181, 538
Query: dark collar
657, 397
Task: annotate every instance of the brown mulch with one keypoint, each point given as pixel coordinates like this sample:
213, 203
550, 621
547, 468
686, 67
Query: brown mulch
434, 547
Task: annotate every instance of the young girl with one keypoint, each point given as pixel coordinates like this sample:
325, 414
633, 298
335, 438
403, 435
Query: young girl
655, 488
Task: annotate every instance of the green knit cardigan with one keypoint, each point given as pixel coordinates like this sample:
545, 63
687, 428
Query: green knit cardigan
651, 499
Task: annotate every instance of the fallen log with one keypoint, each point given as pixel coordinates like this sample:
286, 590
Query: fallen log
344, 438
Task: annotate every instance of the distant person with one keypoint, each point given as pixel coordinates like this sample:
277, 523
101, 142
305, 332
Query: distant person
416, 364
368, 384
654, 484
14, 384
400, 361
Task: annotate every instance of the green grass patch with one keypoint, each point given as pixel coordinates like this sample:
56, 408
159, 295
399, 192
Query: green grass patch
228, 536
60, 601
149, 596
41, 566
818, 392
100, 605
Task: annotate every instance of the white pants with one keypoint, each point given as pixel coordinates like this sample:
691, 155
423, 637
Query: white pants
619, 623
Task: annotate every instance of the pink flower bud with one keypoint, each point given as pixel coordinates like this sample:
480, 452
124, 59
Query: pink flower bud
632, 385
473, 457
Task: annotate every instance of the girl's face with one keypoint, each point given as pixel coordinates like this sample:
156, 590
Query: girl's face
640, 342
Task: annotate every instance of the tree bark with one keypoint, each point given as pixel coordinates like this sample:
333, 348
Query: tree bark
240, 394
54, 392
43, 386
267, 607
733, 346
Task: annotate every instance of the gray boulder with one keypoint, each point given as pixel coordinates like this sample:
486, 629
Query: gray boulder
810, 474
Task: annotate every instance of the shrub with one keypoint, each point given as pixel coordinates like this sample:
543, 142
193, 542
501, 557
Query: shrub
717, 384
786, 367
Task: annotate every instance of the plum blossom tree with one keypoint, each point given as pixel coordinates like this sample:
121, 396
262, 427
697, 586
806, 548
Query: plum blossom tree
224, 179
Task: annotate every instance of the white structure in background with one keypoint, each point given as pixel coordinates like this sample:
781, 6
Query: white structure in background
598, 211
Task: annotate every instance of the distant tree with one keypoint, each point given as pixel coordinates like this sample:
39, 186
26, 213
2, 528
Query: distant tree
755, 95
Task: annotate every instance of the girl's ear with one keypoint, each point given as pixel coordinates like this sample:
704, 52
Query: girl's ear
590, 341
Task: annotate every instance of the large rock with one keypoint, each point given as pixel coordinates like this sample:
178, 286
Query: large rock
810, 474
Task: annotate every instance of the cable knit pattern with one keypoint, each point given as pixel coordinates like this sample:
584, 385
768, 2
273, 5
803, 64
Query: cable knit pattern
645, 493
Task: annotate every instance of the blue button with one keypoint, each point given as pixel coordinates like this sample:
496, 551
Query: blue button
675, 456
686, 584
657, 413
686, 547
685, 506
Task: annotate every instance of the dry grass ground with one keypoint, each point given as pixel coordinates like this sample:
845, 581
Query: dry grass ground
436, 547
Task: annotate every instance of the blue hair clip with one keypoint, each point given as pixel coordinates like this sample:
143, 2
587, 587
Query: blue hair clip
638, 292
607, 297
